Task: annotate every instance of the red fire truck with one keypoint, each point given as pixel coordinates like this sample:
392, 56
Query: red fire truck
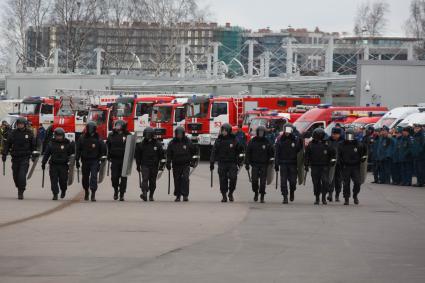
206, 116
271, 122
39, 111
136, 110
76, 109
166, 117
324, 115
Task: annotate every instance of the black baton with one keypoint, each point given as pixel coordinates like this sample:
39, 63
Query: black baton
169, 180
42, 180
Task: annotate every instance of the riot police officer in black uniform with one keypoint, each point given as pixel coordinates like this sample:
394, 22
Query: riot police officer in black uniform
116, 148
320, 156
351, 154
227, 152
90, 149
149, 159
335, 184
258, 154
288, 145
58, 150
21, 144
180, 155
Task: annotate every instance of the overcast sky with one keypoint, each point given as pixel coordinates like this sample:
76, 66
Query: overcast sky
328, 15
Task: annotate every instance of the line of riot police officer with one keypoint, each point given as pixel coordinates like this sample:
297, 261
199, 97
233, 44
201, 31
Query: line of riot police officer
335, 162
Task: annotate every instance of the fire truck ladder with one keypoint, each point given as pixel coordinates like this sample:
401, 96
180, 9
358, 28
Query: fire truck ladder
239, 108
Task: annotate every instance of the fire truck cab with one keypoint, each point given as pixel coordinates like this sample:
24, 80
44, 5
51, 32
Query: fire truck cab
136, 110
72, 116
166, 117
39, 111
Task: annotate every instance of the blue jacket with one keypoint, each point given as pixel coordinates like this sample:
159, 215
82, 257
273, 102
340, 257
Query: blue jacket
385, 150
419, 146
397, 145
406, 149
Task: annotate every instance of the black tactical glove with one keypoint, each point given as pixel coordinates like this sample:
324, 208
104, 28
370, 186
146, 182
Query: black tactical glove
306, 168
139, 168
276, 167
168, 166
4, 157
77, 164
43, 166
211, 166
247, 167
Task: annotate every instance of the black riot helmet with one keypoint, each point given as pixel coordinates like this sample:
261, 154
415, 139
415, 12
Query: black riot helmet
226, 129
91, 128
148, 133
59, 134
120, 125
350, 135
261, 131
21, 121
319, 134
179, 132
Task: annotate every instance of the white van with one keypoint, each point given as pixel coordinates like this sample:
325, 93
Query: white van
415, 118
396, 115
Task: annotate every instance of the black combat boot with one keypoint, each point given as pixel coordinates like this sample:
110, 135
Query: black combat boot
122, 196
20, 194
151, 196
255, 196
292, 195
317, 202
63, 194
115, 193
224, 199
336, 197
347, 201
324, 200
93, 196
285, 200
185, 198
330, 199
55, 197
177, 199
262, 198
86, 195
231, 199
144, 196
356, 200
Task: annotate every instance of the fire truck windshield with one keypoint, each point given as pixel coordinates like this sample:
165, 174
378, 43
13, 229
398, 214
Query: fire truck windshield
197, 110
302, 125
29, 108
123, 109
161, 114
65, 112
248, 118
97, 116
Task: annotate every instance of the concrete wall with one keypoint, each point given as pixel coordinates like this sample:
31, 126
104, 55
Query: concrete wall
392, 83
22, 85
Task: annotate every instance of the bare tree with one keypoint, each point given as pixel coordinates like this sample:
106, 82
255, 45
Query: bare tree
75, 21
38, 14
14, 25
371, 18
415, 25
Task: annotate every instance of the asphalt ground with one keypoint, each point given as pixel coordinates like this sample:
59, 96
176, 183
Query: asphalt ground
380, 240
